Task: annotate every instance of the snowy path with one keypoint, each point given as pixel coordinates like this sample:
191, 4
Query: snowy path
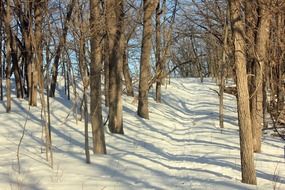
180, 147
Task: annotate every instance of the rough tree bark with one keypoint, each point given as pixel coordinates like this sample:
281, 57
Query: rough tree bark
261, 40
99, 145
1, 65
7, 20
246, 144
149, 8
115, 24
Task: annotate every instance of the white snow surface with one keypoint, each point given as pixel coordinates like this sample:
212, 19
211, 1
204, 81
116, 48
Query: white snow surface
180, 147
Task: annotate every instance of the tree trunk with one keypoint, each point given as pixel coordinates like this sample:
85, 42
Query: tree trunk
223, 73
1, 65
115, 22
158, 50
246, 144
59, 48
85, 80
106, 70
7, 21
149, 8
40, 8
126, 72
262, 38
37, 71
16, 70
95, 79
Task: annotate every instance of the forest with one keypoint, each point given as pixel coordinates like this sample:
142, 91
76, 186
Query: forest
142, 94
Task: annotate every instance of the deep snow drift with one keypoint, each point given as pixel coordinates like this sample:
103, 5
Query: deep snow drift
180, 147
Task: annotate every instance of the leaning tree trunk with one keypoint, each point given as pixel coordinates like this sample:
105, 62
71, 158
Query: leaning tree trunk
95, 79
115, 22
148, 7
246, 144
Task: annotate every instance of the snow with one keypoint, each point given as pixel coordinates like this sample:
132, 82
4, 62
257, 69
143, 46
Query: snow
180, 147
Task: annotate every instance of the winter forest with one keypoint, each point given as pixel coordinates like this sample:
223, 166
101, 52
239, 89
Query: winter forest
142, 94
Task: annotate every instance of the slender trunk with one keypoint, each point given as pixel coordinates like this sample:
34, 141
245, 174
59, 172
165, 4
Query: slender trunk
87, 153
64, 76
17, 73
222, 74
68, 79
149, 8
158, 50
246, 144
7, 21
84, 76
47, 87
127, 75
61, 44
95, 79
162, 54
106, 71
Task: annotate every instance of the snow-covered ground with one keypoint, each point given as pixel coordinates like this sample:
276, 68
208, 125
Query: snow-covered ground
180, 147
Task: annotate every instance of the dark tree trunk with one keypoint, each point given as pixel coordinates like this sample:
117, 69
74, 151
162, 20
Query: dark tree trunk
158, 50
1, 65
7, 21
115, 22
95, 79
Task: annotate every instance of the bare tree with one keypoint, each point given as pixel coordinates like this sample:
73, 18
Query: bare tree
115, 25
246, 144
95, 79
149, 8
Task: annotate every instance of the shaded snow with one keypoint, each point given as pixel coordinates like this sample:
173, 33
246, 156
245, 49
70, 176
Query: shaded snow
180, 147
